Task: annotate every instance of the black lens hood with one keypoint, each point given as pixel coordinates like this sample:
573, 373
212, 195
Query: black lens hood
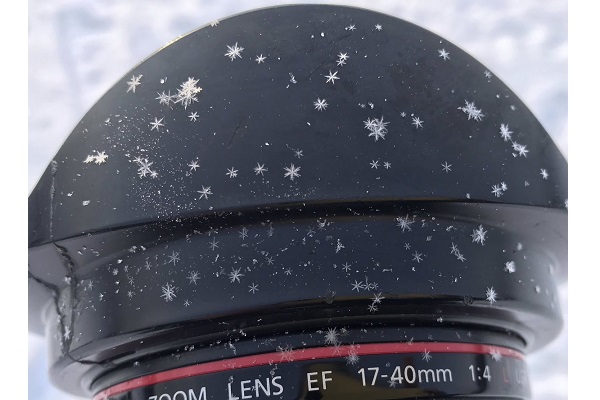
289, 170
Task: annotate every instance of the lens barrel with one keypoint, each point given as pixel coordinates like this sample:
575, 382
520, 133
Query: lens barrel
300, 202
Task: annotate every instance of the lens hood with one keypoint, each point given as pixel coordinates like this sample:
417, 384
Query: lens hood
288, 183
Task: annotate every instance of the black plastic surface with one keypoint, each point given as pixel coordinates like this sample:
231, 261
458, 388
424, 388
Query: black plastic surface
424, 194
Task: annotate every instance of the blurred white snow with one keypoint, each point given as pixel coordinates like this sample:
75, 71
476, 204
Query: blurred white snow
78, 49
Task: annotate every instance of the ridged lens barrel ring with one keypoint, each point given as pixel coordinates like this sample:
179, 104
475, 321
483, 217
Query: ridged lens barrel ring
300, 202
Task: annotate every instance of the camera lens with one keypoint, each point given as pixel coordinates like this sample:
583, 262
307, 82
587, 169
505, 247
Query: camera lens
300, 202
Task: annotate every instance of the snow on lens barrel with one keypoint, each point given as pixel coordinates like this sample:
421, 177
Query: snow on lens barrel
300, 202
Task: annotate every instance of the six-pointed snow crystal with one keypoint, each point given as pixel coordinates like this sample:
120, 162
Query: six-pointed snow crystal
478, 235
205, 192
331, 78
260, 169
187, 92
133, 83
235, 275
260, 59
491, 295
157, 123
472, 111
291, 172
444, 54
505, 132
416, 121
168, 292
234, 52
320, 104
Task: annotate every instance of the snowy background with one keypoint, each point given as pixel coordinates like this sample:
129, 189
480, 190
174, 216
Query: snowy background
78, 49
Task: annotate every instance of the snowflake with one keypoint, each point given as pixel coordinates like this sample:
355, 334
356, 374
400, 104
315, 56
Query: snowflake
454, 249
503, 186
156, 124
387, 165
232, 173
187, 303
187, 92
214, 22
168, 292
235, 275
253, 288
372, 308
298, 153
193, 277
426, 355
173, 258
487, 74
286, 353
357, 285
331, 77
472, 111
320, 104
376, 127
370, 285
260, 59
417, 257
346, 267
352, 358
497, 190
446, 167
377, 297
193, 116
496, 355
510, 267
520, 148
416, 121
342, 57
214, 244
204, 192
490, 295
234, 51
374, 164
444, 54
478, 235
407, 246
505, 132
243, 233
193, 165
332, 336
404, 223
164, 98
378, 27
544, 173
350, 28
133, 83
89, 159
292, 172
288, 271
130, 294
260, 169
